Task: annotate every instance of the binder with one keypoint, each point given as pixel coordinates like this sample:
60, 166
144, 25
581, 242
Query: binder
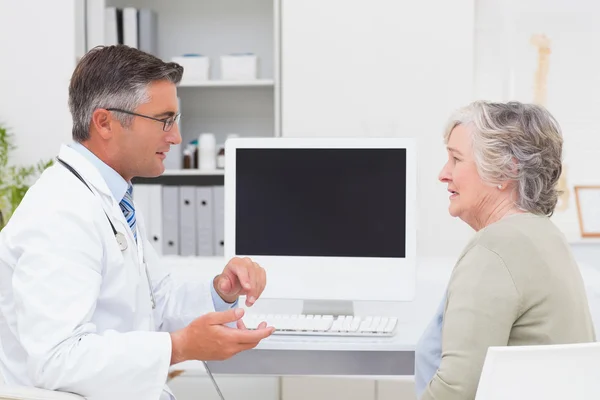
148, 202
111, 29
155, 218
204, 221
130, 27
80, 29
170, 217
141, 203
187, 220
95, 23
148, 31
219, 220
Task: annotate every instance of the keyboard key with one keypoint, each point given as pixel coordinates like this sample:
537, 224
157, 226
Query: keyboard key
380, 328
324, 325
390, 325
367, 325
375, 324
355, 324
346, 326
338, 325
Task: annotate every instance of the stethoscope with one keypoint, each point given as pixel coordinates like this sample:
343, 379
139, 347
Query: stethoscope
120, 237
121, 240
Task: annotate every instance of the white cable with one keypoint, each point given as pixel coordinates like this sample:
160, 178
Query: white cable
213, 380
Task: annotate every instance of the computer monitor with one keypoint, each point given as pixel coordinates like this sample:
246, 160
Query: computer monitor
330, 219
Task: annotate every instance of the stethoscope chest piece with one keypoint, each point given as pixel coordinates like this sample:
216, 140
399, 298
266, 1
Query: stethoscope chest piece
122, 241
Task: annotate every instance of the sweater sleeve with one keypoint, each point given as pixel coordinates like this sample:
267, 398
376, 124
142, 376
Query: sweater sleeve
482, 305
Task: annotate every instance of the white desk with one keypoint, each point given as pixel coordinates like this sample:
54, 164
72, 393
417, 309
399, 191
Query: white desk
302, 355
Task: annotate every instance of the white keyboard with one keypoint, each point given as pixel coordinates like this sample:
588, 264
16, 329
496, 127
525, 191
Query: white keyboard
324, 325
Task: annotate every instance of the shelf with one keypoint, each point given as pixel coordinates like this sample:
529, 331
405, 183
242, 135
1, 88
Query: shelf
585, 241
187, 172
217, 83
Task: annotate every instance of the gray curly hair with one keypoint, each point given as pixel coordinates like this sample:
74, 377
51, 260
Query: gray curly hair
517, 142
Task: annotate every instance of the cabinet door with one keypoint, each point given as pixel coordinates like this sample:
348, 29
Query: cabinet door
38, 57
193, 387
398, 388
327, 388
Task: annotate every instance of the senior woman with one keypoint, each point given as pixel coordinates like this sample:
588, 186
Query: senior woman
516, 282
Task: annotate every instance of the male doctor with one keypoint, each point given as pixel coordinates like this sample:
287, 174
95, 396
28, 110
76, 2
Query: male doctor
85, 305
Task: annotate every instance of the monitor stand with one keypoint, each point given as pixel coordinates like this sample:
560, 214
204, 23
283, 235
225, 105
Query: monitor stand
328, 307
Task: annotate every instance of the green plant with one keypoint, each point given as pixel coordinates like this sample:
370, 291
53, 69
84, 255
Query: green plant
14, 180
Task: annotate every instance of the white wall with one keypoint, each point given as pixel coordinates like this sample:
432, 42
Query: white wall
391, 68
37, 48
434, 46
439, 73
503, 32
383, 68
38, 57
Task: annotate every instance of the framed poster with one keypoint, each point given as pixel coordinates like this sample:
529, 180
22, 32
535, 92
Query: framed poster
588, 210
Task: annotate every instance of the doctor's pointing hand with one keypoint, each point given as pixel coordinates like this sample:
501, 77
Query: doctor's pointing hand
86, 304
207, 338
241, 276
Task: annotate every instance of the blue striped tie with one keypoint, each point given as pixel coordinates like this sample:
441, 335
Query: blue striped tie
128, 210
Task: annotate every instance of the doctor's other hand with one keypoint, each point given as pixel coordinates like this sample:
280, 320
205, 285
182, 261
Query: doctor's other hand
208, 339
241, 276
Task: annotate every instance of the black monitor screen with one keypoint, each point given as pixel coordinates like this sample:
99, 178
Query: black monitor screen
321, 202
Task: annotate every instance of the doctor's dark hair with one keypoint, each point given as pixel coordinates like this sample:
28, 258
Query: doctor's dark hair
114, 77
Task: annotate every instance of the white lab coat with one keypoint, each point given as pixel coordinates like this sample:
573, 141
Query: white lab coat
75, 311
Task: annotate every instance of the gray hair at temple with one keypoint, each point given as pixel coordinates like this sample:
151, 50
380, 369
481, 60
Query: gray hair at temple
516, 142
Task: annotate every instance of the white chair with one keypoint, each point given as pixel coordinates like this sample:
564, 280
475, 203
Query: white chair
549, 372
11, 392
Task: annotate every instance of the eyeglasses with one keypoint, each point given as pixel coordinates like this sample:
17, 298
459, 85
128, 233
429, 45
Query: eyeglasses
167, 122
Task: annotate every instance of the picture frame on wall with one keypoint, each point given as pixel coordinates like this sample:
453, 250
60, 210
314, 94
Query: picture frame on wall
588, 210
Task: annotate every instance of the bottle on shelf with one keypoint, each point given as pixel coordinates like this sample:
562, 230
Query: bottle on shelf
207, 151
187, 159
194, 147
190, 156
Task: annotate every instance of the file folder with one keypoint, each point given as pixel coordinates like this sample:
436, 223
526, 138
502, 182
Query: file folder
148, 202
148, 31
111, 26
219, 220
130, 27
80, 29
141, 203
204, 221
170, 214
155, 230
95, 23
187, 220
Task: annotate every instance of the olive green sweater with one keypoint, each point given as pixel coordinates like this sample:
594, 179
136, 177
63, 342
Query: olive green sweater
516, 283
